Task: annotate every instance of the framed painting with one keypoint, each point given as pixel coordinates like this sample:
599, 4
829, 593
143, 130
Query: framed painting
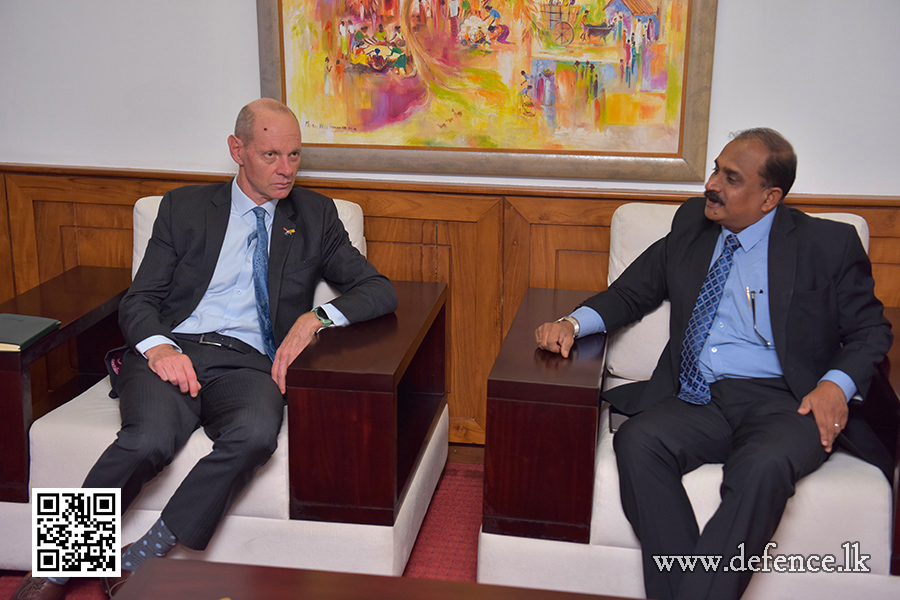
588, 89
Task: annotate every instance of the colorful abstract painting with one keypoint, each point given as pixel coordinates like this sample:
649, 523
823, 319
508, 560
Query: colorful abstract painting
559, 76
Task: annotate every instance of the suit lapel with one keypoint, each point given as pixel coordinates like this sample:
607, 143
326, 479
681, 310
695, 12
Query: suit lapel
698, 267
217, 213
782, 270
284, 230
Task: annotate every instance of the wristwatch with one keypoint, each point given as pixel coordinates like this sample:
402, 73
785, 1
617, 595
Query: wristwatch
322, 316
574, 323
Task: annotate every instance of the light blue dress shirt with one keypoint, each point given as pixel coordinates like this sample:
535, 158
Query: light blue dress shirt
740, 344
229, 304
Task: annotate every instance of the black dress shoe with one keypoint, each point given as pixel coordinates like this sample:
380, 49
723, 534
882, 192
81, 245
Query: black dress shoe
38, 588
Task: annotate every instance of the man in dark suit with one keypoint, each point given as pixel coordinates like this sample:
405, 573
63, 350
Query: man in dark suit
774, 326
213, 319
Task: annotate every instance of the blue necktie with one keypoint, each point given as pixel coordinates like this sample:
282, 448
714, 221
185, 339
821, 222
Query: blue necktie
261, 279
694, 388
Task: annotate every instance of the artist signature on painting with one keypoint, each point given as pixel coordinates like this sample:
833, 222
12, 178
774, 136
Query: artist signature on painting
309, 125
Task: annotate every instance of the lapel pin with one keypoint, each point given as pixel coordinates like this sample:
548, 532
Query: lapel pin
289, 231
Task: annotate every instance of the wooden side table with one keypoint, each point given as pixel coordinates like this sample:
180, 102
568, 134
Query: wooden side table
85, 300
541, 434
362, 403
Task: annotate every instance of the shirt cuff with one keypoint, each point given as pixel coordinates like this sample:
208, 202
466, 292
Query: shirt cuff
842, 380
336, 316
590, 321
153, 341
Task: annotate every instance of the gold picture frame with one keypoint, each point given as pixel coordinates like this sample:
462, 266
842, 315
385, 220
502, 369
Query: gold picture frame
687, 164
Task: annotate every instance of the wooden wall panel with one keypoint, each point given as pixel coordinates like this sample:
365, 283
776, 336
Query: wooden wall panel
551, 243
49, 220
581, 269
43, 209
488, 244
22, 235
7, 278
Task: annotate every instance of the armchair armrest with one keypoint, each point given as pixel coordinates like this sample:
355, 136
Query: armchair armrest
85, 300
363, 401
541, 433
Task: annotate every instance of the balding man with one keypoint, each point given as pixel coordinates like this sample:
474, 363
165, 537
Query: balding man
220, 307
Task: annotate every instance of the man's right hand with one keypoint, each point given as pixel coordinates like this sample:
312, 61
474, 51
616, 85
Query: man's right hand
173, 366
556, 337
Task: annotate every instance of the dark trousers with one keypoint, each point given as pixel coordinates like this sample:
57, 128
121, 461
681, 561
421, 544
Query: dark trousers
753, 427
239, 407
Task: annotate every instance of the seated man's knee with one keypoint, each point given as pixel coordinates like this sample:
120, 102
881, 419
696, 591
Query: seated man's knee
765, 468
254, 440
147, 447
636, 436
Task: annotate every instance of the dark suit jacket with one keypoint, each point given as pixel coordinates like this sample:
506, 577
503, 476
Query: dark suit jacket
184, 247
823, 308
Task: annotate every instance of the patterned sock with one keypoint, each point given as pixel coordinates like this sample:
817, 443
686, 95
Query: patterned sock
158, 541
58, 580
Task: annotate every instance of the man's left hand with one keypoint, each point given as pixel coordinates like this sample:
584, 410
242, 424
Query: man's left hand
298, 338
829, 407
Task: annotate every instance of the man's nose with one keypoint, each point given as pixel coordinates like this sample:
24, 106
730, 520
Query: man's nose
285, 166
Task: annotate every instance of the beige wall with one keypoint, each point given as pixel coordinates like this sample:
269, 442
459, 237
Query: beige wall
156, 85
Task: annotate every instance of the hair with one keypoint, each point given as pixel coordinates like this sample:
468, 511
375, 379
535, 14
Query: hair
780, 168
243, 127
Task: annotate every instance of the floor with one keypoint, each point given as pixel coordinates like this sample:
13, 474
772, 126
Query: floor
466, 453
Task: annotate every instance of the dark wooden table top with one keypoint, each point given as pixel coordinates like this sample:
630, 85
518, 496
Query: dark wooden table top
78, 298
525, 372
371, 355
199, 580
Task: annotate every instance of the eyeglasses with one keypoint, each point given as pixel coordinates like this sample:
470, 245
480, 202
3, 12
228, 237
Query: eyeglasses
751, 300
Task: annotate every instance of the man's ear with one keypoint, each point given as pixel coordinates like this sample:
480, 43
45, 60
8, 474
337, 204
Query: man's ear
236, 148
773, 199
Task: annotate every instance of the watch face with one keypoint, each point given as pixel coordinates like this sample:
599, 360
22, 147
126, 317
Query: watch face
323, 316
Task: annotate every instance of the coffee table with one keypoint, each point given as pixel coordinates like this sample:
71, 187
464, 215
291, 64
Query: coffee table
200, 580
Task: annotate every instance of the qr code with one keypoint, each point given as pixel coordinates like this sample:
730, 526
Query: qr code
76, 532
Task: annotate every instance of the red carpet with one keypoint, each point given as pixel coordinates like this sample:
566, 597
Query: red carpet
447, 546
445, 549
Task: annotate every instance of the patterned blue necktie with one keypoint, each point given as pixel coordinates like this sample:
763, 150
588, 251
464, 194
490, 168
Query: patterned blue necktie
694, 388
261, 279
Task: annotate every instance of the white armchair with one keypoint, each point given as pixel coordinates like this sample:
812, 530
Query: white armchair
846, 500
258, 529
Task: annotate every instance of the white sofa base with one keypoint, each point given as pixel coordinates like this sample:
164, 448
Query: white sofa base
256, 530
611, 563
590, 569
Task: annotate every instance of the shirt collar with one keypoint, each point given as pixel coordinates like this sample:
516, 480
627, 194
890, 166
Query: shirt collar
753, 234
242, 204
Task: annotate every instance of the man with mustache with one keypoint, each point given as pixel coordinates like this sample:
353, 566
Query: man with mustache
774, 326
